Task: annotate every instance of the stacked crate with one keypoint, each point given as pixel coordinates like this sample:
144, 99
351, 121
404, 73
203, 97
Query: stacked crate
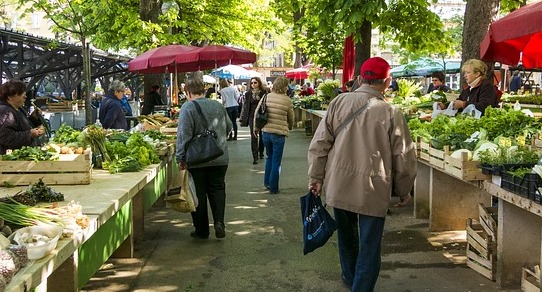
481, 242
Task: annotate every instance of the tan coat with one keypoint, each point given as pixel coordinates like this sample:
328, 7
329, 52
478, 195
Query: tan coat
280, 111
372, 153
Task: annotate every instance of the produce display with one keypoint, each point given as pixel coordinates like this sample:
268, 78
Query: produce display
38, 192
28, 153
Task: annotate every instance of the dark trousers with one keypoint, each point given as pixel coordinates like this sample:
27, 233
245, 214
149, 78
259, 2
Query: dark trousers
233, 113
256, 143
210, 185
359, 238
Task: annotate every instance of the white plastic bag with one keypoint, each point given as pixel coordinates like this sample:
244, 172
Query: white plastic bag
450, 111
472, 111
187, 200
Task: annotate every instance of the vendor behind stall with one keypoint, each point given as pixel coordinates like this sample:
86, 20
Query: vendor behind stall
480, 91
111, 113
16, 128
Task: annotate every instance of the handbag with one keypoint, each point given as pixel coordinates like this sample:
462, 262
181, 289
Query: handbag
318, 225
203, 147
261, 114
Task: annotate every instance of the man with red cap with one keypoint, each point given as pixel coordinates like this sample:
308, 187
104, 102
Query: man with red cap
361, 152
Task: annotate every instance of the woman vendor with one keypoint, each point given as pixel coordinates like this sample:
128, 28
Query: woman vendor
480, 91
16, 128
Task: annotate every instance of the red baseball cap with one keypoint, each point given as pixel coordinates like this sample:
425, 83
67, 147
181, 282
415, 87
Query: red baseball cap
375, 68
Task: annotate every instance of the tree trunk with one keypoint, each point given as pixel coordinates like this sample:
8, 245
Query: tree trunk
87, 76
363, 45
298, 61
478, 15
149, 10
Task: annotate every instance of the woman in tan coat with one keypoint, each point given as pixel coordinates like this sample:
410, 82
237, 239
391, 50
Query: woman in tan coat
280, 120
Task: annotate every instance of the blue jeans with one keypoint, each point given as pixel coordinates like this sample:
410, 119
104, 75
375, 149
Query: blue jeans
274, 147
360, 238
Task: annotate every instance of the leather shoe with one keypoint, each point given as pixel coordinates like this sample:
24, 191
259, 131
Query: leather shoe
255, 161
261, 156
220, 232
195, 235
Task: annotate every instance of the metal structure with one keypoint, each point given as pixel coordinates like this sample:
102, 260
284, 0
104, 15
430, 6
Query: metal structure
39, 61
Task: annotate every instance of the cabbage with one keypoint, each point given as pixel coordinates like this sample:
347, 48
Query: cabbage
484, 146
457, 154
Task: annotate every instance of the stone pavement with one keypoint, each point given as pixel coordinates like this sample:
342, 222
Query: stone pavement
262, 250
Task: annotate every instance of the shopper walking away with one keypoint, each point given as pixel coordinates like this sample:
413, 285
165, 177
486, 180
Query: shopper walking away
252, 98
280, 120
209, 177
361, 153
229, 94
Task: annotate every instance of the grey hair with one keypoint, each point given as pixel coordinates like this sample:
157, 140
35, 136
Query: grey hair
116, 85
373, 81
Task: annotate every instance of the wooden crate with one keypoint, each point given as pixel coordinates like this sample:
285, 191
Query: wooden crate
488, 220
70, 169
481, 250
60, 106
423, 148
434, 156
168, 131
463, 168
530, 281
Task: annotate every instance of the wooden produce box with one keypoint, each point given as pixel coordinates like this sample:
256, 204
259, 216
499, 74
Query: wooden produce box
434, 156
168, 131
481, 250
488, 220
69, 169
530, 281
463, 168
60, 106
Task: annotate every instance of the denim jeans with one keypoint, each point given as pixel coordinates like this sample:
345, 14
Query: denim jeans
232, 113
274, 147
210, 184
359, 238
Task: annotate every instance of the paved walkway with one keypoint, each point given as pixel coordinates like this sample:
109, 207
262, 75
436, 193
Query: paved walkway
263, 247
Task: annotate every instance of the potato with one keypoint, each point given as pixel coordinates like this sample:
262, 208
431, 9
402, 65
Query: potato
79, 150
64, 150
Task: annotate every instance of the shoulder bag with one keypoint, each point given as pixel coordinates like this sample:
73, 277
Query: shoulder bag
203, 147
261, 114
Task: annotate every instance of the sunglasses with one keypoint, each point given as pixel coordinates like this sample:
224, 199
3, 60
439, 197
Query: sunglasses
254, 82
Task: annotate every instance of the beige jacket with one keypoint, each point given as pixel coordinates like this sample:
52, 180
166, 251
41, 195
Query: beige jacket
280, 111
370, 155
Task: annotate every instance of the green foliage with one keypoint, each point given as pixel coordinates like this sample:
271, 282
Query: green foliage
408, 88
328, 89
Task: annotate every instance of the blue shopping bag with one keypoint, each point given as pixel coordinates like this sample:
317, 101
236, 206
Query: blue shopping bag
318, 225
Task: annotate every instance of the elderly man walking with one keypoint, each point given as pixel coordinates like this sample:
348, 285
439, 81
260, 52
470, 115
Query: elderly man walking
361, 153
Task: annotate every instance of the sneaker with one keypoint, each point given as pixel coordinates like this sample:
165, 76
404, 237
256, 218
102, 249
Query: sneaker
220, 232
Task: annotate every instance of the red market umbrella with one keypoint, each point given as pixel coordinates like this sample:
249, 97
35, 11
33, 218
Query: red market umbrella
515, 38
163, 59
298, 73
214, 56
349, 60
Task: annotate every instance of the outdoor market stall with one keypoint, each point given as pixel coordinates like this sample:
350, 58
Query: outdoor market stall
115, 205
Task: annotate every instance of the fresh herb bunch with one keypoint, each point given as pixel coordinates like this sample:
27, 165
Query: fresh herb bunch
66, 135
125, 164
35, 193
155, 134
28, 153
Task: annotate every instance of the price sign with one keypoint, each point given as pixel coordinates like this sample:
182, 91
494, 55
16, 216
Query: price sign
520, 140
505, 142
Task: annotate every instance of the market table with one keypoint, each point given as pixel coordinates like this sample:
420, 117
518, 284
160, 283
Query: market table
448, 201
519, 235
115, 204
